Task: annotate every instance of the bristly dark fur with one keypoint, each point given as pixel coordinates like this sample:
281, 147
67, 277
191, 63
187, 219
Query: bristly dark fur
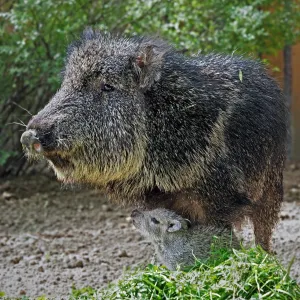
156, 128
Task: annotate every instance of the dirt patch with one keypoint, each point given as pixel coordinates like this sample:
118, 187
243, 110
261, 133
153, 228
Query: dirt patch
52, 238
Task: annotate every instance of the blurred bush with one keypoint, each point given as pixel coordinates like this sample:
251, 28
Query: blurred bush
35, 33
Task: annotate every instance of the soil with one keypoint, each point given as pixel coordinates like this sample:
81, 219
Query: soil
53, 238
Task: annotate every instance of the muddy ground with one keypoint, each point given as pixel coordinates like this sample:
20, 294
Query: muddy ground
52, 238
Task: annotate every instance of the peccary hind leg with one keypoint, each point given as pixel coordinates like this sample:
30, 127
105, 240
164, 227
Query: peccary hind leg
266, 212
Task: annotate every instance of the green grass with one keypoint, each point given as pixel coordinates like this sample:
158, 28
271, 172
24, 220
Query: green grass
228, 274
243, 274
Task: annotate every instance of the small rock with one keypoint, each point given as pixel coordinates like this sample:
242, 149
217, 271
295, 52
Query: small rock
140, 238
106, 208
5, 186
294, 191
76, 264
67, 260
16, 260
38, 257
123, 254
79, 264
22, 292
284, 217
294, 167
7, 195
41, 269
123, 225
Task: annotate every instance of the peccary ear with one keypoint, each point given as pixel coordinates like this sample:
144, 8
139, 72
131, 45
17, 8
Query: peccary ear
148, 61
188, 223
174, 225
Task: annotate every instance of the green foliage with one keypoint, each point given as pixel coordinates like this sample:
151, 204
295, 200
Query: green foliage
3, 157
41, 298
244, 274
255, 27
34, 35
86, 293
33, 38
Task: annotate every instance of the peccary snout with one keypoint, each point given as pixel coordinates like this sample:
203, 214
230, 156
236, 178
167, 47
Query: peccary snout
38, 137
30, 140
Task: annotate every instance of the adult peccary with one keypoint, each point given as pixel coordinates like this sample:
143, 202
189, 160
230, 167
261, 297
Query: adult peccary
176, 242
204, 136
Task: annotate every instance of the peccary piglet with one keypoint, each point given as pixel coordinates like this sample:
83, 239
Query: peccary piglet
176, 241
154, 128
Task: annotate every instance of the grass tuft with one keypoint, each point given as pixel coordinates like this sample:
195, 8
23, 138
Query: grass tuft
227, 274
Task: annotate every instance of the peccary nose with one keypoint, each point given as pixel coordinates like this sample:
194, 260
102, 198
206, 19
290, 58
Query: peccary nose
30, 140
135, 213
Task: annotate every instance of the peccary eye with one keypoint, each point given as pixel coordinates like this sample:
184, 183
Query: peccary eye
106, 87
155, 221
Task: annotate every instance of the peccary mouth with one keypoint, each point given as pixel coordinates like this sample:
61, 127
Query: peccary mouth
62, 166
59, 161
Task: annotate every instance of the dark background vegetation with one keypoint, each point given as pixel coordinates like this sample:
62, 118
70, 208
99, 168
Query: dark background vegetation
34, 35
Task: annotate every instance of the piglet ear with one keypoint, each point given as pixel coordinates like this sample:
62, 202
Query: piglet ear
187, 224
148, 61
175, 225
